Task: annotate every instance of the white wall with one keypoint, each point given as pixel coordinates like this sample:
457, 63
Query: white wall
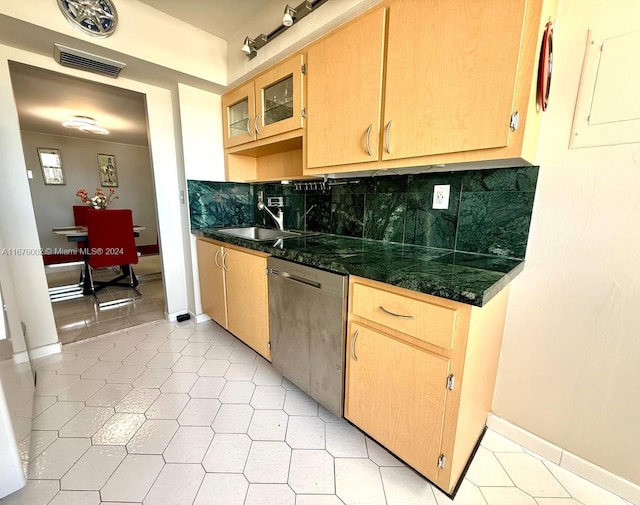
53, 204
17, 222
569, 369
201, 128
142, 32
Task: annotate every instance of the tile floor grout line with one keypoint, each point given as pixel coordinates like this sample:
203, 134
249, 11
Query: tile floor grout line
117, 340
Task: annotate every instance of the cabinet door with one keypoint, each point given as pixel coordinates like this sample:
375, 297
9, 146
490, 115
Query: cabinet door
396, 393
279, 99
344, 94
450, 75
212, 292
238, 113
247, 299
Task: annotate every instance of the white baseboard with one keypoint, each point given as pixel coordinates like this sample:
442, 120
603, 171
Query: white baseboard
200, 318
575, 464
525, 438
45, 350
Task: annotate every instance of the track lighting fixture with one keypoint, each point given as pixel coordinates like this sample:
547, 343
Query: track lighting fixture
289, 18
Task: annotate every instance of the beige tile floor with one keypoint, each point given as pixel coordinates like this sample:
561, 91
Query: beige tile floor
82, 318
179, 414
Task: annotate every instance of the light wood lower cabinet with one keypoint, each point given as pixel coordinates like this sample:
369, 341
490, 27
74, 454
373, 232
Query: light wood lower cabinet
424, 397
212, 292
234, 291
407, 420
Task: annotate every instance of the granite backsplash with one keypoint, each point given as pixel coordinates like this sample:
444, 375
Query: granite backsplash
489, 210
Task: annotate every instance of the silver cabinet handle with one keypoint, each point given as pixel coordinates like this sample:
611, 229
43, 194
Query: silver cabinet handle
353, 345
256, 124
368, 137
386, 136
224, 262
249, 132
394, 314
215, 258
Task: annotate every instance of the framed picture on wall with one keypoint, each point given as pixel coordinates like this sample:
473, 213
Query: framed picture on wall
107, 170
51, 164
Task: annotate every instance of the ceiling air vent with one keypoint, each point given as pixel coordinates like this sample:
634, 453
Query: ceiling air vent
74, 58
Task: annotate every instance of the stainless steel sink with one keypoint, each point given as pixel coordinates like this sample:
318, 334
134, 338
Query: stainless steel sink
258, 233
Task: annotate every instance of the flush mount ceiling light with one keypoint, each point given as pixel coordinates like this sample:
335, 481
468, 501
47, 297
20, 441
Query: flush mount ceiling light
291, 16
86, 124
287, 18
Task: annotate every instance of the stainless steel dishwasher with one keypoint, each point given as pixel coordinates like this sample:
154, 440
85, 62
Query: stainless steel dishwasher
307, 323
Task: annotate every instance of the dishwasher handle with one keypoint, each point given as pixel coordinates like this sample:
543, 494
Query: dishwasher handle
295, 278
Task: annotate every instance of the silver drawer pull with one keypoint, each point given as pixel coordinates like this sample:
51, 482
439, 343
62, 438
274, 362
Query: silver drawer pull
386, 136
368, 137
215, 258
394, 314
353, 345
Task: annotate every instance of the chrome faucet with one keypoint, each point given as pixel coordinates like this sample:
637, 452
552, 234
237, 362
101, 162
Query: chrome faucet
279, 219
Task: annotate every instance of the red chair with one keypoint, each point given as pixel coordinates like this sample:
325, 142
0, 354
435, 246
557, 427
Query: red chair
111, 243
80, 214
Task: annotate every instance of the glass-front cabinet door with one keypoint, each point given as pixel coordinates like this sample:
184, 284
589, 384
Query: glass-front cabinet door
279, 98
238, 108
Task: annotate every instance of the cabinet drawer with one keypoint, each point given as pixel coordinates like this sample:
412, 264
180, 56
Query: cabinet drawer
419, 319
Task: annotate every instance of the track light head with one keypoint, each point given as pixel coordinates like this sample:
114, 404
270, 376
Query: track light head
287, 18
249, 46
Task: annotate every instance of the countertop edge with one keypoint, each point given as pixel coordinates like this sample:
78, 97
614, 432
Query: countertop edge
478, 299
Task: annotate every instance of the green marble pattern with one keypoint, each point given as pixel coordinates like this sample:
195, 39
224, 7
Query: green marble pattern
384, 216
347, 214
468, 278
494, 222
318, 209
489, 210
219, 204
502, 179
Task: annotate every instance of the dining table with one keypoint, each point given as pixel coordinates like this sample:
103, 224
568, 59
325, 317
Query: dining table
81, 234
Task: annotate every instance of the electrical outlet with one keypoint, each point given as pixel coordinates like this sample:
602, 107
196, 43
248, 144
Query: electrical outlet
441, 196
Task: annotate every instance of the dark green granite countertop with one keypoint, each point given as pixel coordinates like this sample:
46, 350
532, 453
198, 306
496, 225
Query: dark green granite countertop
464, 277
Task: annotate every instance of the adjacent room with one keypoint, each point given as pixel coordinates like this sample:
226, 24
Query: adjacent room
112, 158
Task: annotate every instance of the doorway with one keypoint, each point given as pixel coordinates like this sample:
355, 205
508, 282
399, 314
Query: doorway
44, 99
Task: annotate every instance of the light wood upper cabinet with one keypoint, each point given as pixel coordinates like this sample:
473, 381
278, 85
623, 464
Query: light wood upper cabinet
344, 83
234, 291
248, 299
279, 98
450, 75
408, 83
238, 112
270, 104
212, 292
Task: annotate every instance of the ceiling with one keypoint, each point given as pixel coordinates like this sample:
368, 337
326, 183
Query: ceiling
218, 17
45, 99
